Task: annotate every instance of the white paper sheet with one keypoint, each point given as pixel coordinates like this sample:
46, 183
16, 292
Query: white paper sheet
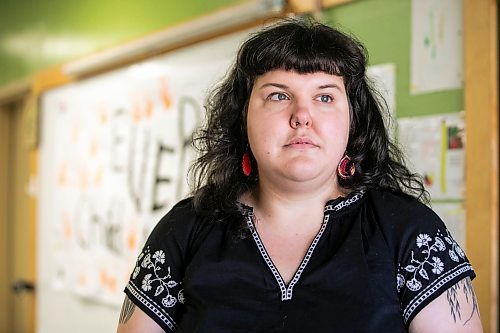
383, 77
436, 45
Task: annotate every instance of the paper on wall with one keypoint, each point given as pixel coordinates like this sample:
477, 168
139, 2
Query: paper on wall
383, 77
436, 45
434, 146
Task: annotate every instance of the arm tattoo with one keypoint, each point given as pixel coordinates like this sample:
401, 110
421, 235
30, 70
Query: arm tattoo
464, 286
127, 310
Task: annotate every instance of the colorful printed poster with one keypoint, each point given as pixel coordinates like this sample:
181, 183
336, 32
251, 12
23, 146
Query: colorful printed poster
434, 146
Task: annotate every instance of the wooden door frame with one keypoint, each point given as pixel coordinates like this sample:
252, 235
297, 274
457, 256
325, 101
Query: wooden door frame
5, 121
12, 98
481, 123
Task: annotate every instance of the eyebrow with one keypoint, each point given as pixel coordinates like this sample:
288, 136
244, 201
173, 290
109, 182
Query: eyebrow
284, 86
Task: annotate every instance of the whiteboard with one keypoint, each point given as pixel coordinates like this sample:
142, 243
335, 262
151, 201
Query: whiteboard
113, 158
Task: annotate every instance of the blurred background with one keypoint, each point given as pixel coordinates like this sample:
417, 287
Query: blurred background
98, 100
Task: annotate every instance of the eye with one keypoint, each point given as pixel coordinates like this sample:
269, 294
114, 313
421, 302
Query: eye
325, 98
277, 96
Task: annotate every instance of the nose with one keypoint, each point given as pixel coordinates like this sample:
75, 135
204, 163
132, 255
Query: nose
301, 117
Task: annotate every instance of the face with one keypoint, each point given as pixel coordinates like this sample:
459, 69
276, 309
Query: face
298, 126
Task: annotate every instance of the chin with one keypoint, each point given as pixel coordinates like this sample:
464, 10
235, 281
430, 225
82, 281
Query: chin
303, 174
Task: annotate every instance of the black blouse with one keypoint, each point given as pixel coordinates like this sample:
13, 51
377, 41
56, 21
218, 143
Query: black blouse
378, 259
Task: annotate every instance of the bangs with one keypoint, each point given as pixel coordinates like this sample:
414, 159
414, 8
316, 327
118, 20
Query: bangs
304, 49
301, 62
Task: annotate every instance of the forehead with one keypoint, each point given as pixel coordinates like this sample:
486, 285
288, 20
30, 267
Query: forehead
281, 76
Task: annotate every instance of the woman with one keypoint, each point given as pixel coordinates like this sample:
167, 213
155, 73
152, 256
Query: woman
304, 217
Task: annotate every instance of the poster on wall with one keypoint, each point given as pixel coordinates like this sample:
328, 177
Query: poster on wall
434, 146
436, 45
114, 156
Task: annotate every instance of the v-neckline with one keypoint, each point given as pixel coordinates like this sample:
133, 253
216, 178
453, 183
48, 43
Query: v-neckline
330, 207
286, 289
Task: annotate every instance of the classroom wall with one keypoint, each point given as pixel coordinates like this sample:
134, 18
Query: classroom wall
38, 34
35, 35
384, 26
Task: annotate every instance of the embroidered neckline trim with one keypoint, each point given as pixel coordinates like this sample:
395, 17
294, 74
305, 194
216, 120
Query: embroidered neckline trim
332, 206
286, 291
336, 205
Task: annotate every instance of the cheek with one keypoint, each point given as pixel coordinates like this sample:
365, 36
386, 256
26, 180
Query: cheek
337, 135
265, 127
337, 125
256, 137
254, 133
251, 124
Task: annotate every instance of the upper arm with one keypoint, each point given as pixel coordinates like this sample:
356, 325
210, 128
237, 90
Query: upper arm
429, 262
155, 291
455, 310
134, 320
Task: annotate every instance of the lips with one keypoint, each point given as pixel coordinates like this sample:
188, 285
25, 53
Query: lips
301, 142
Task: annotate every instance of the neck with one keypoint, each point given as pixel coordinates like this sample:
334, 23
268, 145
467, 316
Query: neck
285, 207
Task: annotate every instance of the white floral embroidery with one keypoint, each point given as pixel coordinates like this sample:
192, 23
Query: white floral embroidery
180, 296
424, 262
400, 282
456, 251
158, 277
146, 263
146, 283
414, 284
159, 256
429, 270
422, 240
136, 272
169, 301
137, 269
440, 244
438, 265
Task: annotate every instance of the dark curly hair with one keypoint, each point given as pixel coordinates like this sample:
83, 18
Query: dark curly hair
304, 46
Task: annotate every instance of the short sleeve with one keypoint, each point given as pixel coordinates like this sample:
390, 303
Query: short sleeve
429, 260
155, 285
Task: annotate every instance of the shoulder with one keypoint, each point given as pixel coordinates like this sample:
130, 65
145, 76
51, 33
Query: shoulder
394, 202
400, 209
406, 222
179, 222
184, 208
180, 214
427, 258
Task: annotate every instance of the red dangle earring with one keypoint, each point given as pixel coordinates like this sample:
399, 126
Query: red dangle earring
246, 164
346, 168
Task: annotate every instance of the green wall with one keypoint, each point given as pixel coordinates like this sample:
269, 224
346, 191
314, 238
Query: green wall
39, 34
36, 34
384, 26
